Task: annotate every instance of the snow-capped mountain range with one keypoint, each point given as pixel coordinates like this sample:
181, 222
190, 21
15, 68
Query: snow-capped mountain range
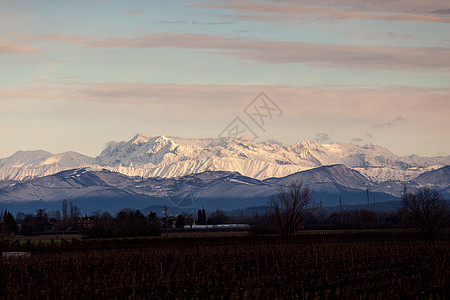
110, 191
160, 156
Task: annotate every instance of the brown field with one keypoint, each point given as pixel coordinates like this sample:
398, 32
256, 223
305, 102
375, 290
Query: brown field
314, 265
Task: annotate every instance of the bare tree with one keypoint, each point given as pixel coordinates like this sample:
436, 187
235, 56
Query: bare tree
427, 210
218, 217
290, 208
64, 212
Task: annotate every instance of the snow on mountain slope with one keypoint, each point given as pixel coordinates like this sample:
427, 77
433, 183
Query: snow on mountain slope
29, 164
339, 174
386, 173
108, 190
161, 156
437, 179
173, 157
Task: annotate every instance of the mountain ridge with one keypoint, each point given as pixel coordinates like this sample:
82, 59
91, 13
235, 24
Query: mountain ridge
162, 156
108, 190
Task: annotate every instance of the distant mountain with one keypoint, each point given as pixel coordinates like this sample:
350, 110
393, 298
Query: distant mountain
438, 179
161, 156
90, 190
111, 191
24, 165
339, 174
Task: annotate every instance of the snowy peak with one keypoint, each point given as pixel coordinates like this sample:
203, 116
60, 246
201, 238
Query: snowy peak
308, 144
438, 177
139, 139
29, 164
161, 143
163, 156
339, 174
141, 150
21, 158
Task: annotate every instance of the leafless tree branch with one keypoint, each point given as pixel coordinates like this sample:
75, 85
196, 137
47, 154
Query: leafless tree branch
291, 208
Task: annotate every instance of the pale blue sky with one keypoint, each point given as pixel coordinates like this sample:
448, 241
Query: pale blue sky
77, 74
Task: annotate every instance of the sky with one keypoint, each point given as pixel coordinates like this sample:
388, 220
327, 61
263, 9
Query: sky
77, 74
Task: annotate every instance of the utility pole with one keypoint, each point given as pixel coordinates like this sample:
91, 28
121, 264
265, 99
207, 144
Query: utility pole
165, 210
373, 201
166, 219
367, 199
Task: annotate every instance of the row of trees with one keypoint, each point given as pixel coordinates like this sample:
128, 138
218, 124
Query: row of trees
320, 219
217, 217
56, 220
201, 217
66, 219
133, 223
8, 225
126, 223
425, 209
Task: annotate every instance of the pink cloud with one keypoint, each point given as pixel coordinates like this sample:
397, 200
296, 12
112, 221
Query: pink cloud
370, 10
353, 111
408, 6
133, 12
205, 110
333, 100
8, 48
391, 35
54, 37
273, 52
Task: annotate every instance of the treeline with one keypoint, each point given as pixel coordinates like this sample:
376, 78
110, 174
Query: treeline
217, 217
324, 220
8, 225
353, 219
126, 223
68, 218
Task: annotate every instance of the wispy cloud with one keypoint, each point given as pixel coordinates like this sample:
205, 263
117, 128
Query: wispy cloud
55, 37
93, 1
390, 124
443, 11
350, 112
195, 22
357, 140
392, 35
134, 12
322, 138
367, 138
326, 102
275, 141
8, 48
273, 52
294, 11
